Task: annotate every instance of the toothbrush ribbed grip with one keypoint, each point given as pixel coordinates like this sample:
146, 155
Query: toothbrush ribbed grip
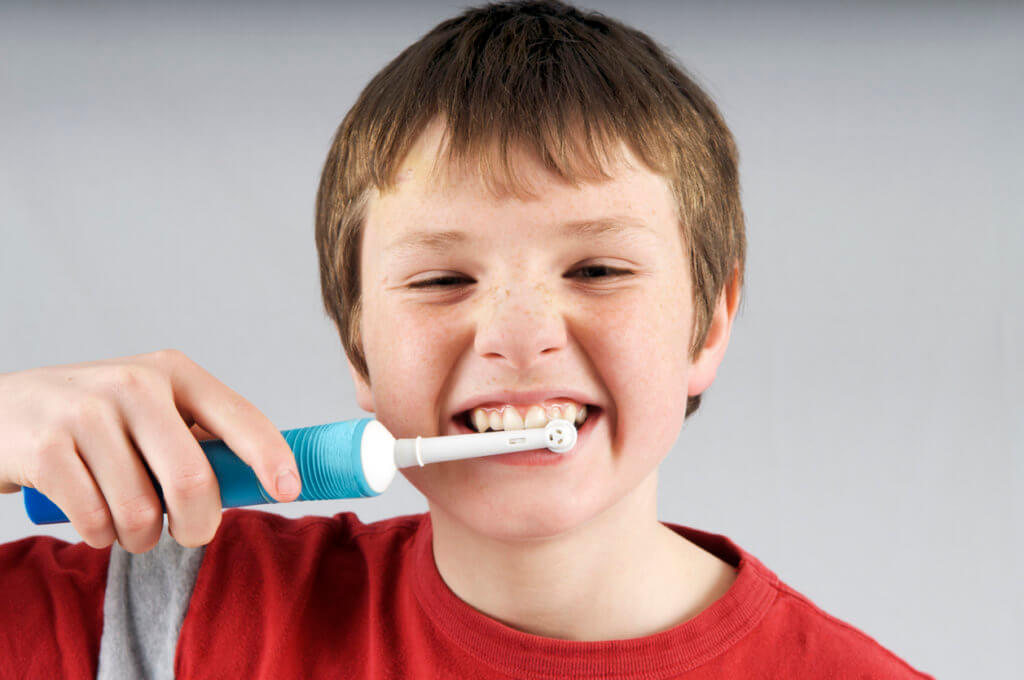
330, 460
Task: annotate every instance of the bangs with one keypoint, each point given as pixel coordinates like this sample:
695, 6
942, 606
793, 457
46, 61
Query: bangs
577, 153
567, 100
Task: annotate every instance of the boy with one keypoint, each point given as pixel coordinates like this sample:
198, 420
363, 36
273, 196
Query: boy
531, 208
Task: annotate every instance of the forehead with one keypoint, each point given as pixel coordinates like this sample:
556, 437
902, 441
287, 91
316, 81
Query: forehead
430, 192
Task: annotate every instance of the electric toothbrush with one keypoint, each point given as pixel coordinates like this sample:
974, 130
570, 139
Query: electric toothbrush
347, 459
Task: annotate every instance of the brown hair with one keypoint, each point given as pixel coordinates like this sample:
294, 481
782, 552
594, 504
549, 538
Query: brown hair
565, 85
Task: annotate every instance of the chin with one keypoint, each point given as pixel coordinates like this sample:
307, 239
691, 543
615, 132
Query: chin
517, 517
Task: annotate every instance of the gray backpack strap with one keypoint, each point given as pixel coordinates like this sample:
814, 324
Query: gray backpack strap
143, 609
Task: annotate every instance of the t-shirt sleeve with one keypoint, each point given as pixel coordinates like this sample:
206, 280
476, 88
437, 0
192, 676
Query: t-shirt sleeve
802, 640
51, 608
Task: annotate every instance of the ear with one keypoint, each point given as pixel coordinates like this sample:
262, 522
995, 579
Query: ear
705, 366
364, 396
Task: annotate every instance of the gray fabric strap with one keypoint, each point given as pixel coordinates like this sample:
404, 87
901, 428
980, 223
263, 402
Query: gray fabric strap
143, 609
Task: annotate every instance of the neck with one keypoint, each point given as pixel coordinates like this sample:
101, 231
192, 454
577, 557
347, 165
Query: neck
620, 575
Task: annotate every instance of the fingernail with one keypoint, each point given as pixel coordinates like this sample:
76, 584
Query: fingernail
287, 483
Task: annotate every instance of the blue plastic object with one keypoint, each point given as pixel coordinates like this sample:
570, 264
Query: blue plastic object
329, 458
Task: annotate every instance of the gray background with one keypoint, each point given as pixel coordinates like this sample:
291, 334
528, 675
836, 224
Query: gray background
158, 168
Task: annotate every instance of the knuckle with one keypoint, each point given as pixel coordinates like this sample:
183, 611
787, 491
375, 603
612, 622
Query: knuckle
132, 384
50, 448
169, 356
124, 376
131, 379
138, 514
95, 523
191, 480
88, 410
47, 443
239, 405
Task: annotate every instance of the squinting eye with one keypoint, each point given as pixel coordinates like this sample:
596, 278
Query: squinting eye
601, 267
432, 283
449, 281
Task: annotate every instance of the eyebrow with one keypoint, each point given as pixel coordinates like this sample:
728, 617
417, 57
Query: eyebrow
442, 241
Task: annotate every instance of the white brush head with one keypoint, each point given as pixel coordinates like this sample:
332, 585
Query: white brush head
561, 435
557, 436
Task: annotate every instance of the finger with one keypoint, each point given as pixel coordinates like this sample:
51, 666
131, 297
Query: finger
190, 488
116, 466
244, 429
65, 480
200, 434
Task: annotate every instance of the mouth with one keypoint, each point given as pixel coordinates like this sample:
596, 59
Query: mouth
462, 424
464, 420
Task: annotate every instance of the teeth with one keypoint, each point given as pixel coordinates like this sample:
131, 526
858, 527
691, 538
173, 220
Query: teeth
480, 420
570, 413
535, 417
509, 418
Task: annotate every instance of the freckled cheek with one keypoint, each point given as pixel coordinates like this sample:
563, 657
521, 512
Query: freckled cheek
413, 354
641, 356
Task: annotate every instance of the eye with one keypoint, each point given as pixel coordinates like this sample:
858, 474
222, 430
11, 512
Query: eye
598, 271
614, 273
438, 282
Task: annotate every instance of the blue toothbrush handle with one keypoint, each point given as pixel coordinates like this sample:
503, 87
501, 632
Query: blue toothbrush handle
329, 458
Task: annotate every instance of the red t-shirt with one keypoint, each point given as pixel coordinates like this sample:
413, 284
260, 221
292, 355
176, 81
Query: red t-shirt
333, 597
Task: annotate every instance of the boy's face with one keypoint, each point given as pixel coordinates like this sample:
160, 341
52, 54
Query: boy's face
524, 305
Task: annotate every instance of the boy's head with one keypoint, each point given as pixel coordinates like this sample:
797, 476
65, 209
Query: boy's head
532, 127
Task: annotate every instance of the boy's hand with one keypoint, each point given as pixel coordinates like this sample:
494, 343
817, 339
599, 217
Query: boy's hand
76, 432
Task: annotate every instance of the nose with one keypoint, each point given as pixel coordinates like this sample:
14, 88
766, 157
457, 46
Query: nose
521, 326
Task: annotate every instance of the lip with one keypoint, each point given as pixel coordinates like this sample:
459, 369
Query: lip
537, 456
523, 398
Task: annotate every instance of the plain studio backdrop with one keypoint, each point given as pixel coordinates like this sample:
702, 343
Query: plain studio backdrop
158, 168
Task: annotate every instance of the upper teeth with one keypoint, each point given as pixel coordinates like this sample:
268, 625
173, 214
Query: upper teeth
508, 417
